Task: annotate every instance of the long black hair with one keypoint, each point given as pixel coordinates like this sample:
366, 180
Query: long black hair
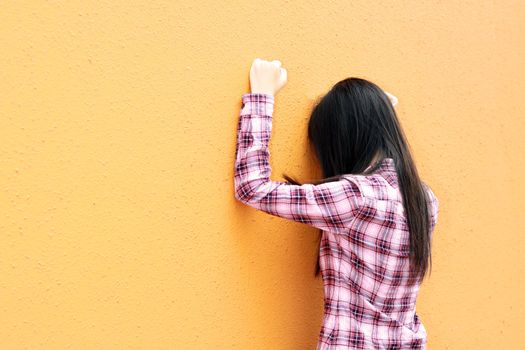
349, 127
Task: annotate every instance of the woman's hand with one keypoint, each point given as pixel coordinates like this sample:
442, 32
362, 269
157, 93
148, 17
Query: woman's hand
267, 77
392, 98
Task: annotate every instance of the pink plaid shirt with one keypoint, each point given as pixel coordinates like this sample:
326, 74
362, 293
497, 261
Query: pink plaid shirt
364, 246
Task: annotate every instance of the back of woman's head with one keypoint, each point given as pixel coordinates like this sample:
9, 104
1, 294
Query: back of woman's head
351, 125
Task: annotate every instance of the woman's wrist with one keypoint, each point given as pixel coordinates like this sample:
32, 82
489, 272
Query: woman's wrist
262, 92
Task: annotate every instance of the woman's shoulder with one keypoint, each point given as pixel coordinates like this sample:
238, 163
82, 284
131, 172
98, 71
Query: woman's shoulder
432, 195
434, 205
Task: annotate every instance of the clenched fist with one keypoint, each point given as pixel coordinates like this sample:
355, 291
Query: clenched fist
392, 98
267, 77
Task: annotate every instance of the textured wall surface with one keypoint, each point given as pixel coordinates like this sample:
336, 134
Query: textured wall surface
119, 228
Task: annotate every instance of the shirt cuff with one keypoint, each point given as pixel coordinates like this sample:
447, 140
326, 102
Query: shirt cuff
257, 103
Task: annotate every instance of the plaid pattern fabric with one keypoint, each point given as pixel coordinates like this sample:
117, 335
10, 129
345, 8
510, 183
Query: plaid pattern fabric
369, 303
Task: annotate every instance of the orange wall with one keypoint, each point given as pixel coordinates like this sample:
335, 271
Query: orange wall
119, 228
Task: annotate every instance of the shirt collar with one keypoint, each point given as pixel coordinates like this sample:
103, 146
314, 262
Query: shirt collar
386, 164
387, 169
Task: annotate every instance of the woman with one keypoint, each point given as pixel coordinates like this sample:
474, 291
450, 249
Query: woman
375, 214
